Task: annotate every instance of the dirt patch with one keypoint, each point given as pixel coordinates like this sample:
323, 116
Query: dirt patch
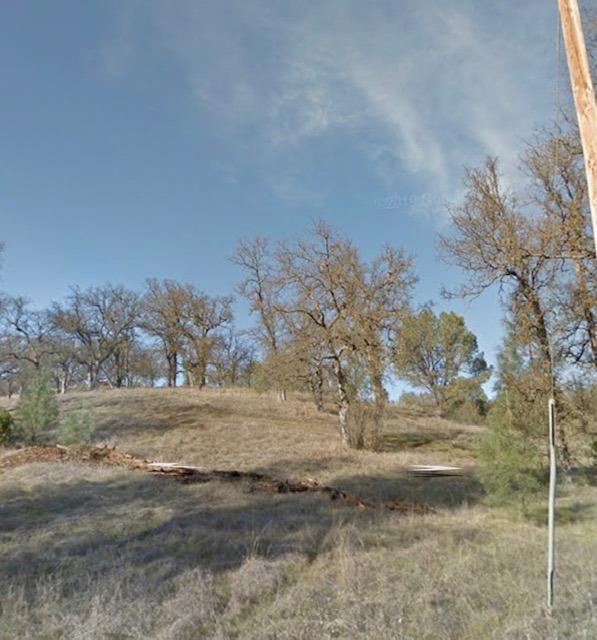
84, 454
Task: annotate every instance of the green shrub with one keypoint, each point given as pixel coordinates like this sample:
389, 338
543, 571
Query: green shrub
6, 426
37, 411
261, 382
76, 428
593, 452
467, 412
511, 465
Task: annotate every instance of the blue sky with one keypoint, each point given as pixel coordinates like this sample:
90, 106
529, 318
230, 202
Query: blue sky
145, 138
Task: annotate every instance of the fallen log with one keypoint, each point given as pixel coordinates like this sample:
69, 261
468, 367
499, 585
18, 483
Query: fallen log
189, 474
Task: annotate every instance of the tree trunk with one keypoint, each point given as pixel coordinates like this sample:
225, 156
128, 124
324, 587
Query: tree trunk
172, 360
438, 398
92, 376
543, 339
343, 421
379, 405
343, 402
68, 377
316, 384
202, 375
540, 327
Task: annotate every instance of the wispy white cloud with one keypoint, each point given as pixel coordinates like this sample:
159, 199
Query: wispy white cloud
440, 85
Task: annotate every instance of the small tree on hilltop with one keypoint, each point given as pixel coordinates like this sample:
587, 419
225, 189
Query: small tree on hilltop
38, 411
76, 429
440, 355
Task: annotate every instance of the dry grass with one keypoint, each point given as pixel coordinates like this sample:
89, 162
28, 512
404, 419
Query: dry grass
107, 553
239, 429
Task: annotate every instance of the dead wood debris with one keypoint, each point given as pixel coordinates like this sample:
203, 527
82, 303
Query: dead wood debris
189, 475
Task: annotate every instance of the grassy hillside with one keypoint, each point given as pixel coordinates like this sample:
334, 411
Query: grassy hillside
239, 429
88, 552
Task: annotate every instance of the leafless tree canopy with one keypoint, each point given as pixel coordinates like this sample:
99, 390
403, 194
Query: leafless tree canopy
116, 337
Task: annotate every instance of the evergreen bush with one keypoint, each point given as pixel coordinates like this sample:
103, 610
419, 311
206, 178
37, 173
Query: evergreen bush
76, 428
37, 411
6, 426
511, 464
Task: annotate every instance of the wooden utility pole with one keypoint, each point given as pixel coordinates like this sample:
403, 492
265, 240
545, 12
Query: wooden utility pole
584, 96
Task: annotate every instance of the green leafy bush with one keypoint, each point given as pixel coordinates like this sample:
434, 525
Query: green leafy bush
76, 428
6, 426
38, 410
511, 465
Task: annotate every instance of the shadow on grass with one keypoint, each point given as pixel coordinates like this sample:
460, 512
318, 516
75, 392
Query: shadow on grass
587, 475
163, 416
156, 526
565, 514
441, 492
435, 440
85, 524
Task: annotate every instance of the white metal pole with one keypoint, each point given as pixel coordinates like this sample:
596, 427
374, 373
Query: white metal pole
551, 541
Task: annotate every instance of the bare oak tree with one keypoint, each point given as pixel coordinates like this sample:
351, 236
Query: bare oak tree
100, 320
259, 286
26, 333
349, 305
559, 192
497, 244
162, 318
203, 317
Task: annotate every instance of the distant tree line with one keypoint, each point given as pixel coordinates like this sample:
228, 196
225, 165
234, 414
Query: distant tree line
328, 323
171, 333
